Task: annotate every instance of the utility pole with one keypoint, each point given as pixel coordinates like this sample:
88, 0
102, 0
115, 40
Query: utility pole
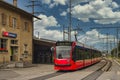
33, 4
114, 48
70, 21
117, 43
110, 46
107, 43
75, 36
63, 33
69, 29
117, 29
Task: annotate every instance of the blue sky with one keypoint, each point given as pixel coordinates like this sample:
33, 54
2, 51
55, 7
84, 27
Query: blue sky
85, 15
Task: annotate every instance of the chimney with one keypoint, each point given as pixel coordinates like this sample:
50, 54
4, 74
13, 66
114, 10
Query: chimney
15, 3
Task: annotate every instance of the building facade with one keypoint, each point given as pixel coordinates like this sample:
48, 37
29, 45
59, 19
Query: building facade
16, 31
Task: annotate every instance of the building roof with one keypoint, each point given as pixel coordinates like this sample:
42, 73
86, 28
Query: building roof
44, 42
16, 9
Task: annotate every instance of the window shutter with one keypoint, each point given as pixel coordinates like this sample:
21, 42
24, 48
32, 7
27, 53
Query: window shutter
24, 27
28, 27
10, 21
4, 19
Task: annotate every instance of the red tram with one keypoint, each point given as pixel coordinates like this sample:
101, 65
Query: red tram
73, 56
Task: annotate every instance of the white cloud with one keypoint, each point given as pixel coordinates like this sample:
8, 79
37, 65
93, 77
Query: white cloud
41, 25
97, 9
63, 13
94, 37
62, 2
46, 21
46, 1
89, 38
75, 2
53, 3
57, 2
115, 5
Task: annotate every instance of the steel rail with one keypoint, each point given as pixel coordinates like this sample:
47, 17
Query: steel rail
48, 76
98, 72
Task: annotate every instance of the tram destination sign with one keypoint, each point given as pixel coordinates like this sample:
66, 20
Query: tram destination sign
63, 43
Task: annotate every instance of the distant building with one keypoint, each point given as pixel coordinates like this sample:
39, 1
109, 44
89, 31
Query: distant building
16, 31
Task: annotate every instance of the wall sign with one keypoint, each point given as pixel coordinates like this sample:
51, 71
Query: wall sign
9, 34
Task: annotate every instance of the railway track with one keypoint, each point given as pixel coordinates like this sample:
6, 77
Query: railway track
48, 76
105, 67
93, 76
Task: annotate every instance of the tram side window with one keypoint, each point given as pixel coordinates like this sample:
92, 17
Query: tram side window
77, 53
86, 54
74, 54
98, 54
92, 54
89, 53
82, 54
95, 54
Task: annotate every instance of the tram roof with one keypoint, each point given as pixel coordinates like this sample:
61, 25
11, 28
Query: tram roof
81, 45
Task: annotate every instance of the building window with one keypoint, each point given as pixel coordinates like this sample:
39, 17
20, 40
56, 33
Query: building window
26, 26
3, 45
14, 41
4, 19
14, 23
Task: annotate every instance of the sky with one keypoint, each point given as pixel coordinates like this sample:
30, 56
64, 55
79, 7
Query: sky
86, 14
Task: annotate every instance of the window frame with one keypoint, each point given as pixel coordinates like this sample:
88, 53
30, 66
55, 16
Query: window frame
26, 26
14, 23
3, 45
4, 19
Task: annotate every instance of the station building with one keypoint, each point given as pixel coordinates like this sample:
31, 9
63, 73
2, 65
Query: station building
42, 51
16, 31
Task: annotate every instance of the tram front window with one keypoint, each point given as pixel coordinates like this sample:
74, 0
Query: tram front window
63, 52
